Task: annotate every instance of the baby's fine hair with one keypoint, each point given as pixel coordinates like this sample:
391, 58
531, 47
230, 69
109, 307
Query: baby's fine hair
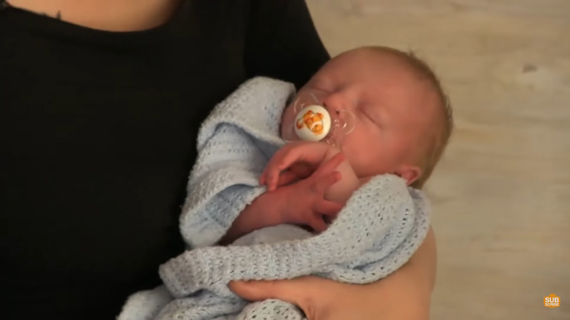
437, 143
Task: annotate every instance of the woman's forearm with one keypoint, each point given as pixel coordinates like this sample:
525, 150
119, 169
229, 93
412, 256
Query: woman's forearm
414, 282
422, 266
424, 261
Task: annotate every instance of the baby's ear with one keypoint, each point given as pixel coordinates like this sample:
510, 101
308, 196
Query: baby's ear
409, 173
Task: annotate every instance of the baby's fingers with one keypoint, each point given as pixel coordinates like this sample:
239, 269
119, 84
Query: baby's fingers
323, 183
281, 161
329, 208
262, 178
301, 170
271, 176
318, 224
286, 177
330, 165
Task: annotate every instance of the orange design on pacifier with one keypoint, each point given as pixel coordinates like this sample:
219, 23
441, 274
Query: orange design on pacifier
315, 121
312, 121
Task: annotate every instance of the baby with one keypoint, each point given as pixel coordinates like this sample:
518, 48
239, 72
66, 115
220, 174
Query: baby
398, 122
257, 177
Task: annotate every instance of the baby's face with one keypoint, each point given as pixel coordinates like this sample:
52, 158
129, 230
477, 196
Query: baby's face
392, 109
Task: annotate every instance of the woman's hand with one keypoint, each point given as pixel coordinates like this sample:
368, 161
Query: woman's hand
404, 295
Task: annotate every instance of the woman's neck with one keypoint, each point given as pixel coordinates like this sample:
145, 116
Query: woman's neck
110, 15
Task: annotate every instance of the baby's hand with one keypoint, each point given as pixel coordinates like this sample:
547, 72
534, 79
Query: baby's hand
296, 160
304, 203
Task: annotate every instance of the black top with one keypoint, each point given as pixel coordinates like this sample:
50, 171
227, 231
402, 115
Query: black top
97, 139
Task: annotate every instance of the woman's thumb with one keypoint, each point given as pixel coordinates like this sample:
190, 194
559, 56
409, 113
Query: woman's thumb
261, 290
302, 292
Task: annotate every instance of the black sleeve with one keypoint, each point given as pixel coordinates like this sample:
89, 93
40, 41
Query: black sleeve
282, 41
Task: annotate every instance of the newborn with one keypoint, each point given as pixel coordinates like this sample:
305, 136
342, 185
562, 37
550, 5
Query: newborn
393, 117
399, 123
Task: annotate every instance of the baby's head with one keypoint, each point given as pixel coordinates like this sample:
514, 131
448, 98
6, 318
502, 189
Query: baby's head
401, 119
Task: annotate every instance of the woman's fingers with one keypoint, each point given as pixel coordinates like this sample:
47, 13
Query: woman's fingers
262, 290
395, 297
313, 295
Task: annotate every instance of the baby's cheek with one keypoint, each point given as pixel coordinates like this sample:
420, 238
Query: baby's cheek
365, 164
353, 151
370, 152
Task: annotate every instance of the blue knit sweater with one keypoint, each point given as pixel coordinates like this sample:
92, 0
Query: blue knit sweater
378, 230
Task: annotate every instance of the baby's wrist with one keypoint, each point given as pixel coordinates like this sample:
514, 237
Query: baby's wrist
277, 214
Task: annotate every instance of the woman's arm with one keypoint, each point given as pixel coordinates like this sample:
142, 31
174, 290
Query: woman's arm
424, 261
409, 289
404, 295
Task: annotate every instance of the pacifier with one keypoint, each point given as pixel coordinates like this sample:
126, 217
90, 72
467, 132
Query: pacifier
315, 121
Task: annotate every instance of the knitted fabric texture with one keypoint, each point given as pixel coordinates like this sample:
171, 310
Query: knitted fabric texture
377, 231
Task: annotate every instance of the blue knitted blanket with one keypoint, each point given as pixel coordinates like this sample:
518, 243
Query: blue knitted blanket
378, 230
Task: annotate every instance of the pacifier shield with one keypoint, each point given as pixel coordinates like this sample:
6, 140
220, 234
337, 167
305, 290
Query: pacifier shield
313, 123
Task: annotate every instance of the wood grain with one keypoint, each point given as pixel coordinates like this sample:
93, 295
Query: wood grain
501, 195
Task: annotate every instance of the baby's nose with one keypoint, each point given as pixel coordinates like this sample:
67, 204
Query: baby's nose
333, 104
332, 110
